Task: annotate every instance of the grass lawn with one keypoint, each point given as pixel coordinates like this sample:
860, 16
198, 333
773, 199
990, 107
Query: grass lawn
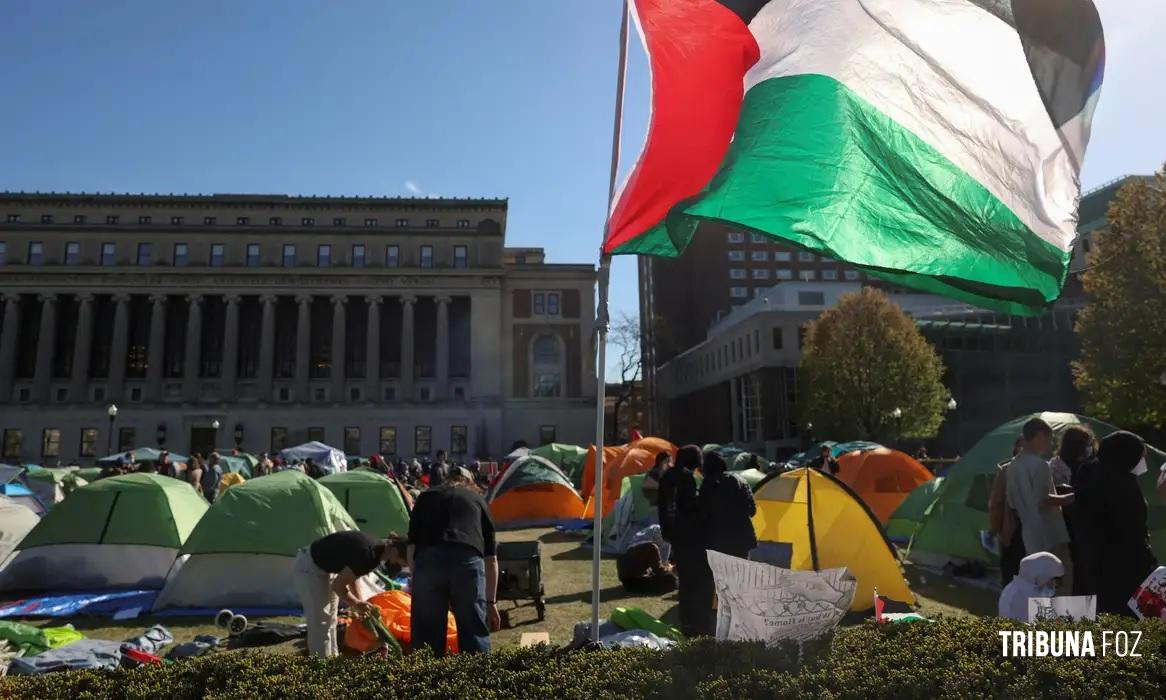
567, 580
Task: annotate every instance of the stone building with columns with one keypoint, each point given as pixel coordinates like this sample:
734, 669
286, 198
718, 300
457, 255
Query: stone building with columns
390, 325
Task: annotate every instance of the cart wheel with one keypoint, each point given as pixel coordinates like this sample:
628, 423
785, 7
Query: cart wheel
223, 619
238, 625
505, 615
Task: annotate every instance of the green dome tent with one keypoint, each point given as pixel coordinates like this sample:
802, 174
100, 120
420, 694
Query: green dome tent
373, 500
568, 458
242, 552
16, 521
140, 454
910, 513
951, 529
120, 532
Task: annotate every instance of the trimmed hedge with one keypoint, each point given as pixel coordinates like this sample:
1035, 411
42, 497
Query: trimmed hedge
950, 658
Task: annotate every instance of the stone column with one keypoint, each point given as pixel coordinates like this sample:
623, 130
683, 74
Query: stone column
191, 359
267, 348
407, 304
81, 349
230, 362
8, 340
45, 343
372, 360
442, 348
303, 346
157, 349
339, 327
118, 348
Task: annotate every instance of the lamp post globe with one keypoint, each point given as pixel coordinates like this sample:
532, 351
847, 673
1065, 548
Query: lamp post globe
951, 404
112, 413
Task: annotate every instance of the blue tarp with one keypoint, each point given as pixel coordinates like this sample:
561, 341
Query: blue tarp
73, 604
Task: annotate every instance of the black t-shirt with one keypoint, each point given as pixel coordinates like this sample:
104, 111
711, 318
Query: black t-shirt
351, 549
452, 515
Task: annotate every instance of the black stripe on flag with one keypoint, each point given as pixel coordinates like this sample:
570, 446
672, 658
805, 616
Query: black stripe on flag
745, 9
1064, 45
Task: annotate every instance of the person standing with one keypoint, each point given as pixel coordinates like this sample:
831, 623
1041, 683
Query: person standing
453, 559
327, 572
438, 471
1110, 524
651, 483
826, 462
681, 526
194, 472
727, 503
165, 467
212, 476
1031, 493
1002, 521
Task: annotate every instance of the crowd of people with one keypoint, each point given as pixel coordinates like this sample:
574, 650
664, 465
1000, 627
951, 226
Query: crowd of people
1072, 525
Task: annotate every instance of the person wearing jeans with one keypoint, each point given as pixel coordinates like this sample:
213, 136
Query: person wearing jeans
452, 556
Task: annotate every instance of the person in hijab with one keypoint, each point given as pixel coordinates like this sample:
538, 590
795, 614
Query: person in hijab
727, 503
1037, 578
1078, 445
1109, 521
681, 525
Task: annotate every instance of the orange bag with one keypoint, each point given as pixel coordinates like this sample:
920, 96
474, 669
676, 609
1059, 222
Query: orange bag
395, 607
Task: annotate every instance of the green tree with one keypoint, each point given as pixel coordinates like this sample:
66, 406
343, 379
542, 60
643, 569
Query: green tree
863, 359
1123, 327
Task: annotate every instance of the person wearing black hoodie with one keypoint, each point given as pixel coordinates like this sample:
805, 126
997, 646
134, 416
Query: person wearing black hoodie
681, 525
727, 503
1110, 529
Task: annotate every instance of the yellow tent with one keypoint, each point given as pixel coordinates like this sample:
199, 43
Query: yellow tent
827, 526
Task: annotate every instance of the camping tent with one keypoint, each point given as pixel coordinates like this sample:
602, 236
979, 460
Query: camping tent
837, 449
328, 458
738, 460
906, 518
533, 491
951, 529
628, 460
752, 477
52, 484
568, 458
242, 552
140, 454
373, 500
883, 478
16, 521
631, 513
821, 524
18, 492
120, 532
235, 464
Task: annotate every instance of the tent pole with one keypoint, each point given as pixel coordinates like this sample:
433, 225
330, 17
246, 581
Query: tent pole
810, 517
602, 320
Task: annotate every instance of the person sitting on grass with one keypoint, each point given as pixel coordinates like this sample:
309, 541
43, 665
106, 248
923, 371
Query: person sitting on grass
1038, 578
642, 568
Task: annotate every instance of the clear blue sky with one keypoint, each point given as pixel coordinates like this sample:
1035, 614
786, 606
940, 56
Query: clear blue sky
394, 97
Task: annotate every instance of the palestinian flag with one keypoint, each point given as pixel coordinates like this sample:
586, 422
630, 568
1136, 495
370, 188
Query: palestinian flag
935, 143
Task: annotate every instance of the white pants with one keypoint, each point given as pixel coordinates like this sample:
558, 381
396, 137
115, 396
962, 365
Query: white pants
314, 586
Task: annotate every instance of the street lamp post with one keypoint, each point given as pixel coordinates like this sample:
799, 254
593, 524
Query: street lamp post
897, 414
112, 413
951, 407
809, 435
214, 435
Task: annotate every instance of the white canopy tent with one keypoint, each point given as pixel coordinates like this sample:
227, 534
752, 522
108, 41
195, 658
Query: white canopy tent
327, 458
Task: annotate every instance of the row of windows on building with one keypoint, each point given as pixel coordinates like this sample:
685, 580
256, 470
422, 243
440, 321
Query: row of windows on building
180, 256
733, 350
339, 222
762, 273
778, 256
50, 447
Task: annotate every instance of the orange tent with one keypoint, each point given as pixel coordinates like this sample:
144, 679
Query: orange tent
882, 478
533, 491
634, 458
396, 613
610, 454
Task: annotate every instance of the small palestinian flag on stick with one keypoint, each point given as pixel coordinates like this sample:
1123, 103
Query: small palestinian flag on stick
935, 143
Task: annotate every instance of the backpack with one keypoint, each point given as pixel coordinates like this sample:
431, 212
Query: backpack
211, 477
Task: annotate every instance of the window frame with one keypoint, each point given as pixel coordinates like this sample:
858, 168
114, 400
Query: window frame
126, 437
401, 223
370, 223
737, 273
425, 262
736, 256
560, 368
427, 431
55, 442
87, 444
40, 256
463, 223
111, 248
392, 255
253, 260
184, 259
277, 438
177, 220
284, 257
324, 255
544, 430
391, 441
459, 436
222, 255
317, 433
307, 221
354, 257
242, 220
72, 252
554, 305
46, 218
433, 223
145, 251
349, 431
275, 221
461, 257
735, 237
12, 436
339, 221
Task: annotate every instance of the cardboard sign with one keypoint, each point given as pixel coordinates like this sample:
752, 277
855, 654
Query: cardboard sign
1068, 607
1149, 601
761, 602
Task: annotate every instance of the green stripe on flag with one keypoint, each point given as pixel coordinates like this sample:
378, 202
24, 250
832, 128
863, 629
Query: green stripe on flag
815, 165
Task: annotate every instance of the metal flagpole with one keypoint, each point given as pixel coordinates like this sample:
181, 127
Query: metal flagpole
602, 320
